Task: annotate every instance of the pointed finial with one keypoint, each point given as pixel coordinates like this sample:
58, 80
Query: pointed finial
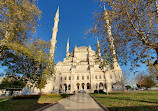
57, 13
58, 9
67, 48
97, 40
104, 7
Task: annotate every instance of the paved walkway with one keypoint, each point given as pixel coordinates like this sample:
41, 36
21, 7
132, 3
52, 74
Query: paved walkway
78, 102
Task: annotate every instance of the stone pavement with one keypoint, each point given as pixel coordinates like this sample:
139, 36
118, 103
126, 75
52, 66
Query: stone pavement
78, 102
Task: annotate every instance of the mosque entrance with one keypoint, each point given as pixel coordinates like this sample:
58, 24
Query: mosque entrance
83, 85
88, 86
78, 86
65, 87
101, 86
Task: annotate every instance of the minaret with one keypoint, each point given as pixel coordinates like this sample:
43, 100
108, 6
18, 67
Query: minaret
98, 48
111, 39
54, 34
67, 48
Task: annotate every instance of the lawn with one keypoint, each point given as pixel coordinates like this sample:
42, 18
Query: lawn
28, 104
129, 101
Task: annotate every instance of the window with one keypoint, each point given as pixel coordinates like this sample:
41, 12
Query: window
69, 87
77, 77
82, 77
65, 78
69, 77
95, 77
100, 76
110, 76
87, 77
104, 76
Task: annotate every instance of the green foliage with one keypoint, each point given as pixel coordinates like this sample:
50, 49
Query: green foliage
128, 87
12, 82
30, 59
18, 51
18, 19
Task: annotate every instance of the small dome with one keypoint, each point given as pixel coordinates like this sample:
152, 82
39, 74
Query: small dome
60, 62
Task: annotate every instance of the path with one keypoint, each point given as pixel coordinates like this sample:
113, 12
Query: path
78, 102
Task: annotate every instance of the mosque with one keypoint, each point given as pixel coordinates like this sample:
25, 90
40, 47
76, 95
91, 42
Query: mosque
80, 70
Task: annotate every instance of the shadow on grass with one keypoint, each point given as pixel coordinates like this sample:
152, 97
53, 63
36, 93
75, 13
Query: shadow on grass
20, 104
28, 102
134, 108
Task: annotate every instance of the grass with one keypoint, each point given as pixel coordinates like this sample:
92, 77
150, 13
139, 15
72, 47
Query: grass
129, 101
9, 104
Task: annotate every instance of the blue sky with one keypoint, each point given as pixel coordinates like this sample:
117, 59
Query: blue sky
75, 17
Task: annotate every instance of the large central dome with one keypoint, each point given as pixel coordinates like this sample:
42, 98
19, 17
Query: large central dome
82, 47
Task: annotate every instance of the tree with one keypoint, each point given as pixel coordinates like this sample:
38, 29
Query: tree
12, 82
146, 82
18, 51
128, 87
30, 60
139, 79
134, 29
18, 20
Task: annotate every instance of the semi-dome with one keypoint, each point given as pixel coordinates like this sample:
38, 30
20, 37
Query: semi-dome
60, 62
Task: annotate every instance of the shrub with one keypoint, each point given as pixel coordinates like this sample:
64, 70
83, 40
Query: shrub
95, 91
26, 97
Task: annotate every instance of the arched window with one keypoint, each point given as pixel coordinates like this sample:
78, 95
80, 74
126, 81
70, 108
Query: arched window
96, 86
77, 77
100, 77
60, 86
95, 77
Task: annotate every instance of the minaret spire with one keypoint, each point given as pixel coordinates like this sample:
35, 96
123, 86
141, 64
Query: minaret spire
67, 48
111, 39
98, 48
54, 34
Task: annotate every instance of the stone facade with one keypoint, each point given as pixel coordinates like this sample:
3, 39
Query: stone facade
80, 71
